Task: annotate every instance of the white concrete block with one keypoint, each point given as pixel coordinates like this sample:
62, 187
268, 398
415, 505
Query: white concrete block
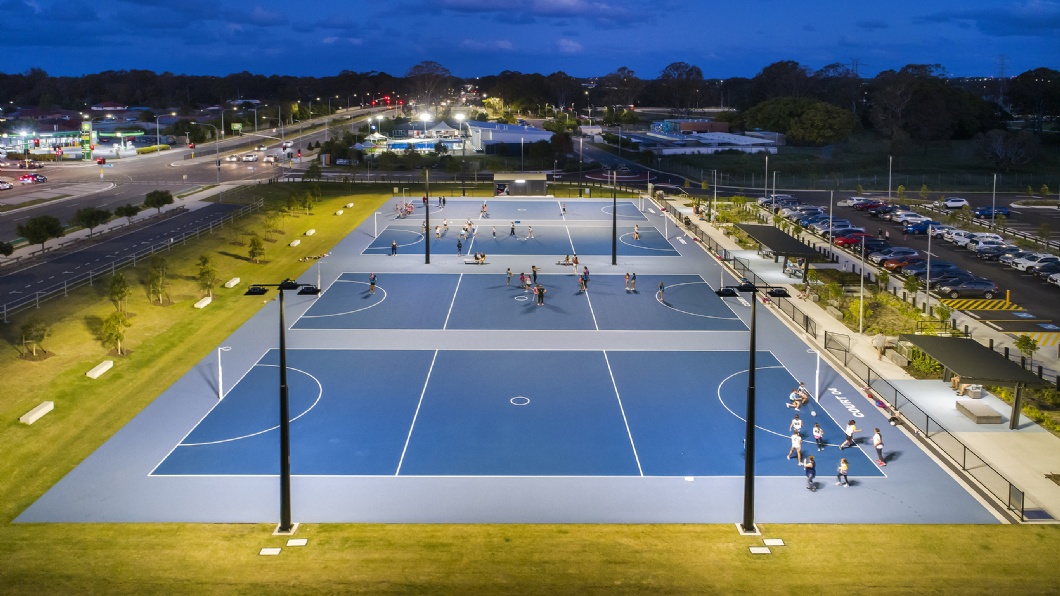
760, 550
98, 370
269, 552
203, 302
37, 413
349, 205
295, 242
310, 232
232, 282
298, 542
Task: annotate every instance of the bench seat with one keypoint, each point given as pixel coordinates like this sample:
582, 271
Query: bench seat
978, 411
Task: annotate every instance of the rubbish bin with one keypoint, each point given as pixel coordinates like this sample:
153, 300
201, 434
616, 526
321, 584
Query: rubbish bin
975, 391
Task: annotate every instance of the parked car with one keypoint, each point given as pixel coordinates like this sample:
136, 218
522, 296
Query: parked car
5, 185
988, 212
880, 210
32, 178
953, 203
940, 230
1054, 279
890, 214
852, 239
891, 253
250, 157
920, 227
897, 264
978, 244
907, 217
962, 240
936, 265
972, 287
822, 225
951, 278
1031, 261
875, 245
798, 211
852, 201
950, 235
869, 204
809, 220
1045, 270
1010, 258
995, 252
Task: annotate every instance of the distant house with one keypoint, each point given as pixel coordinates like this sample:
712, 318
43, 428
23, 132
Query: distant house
109, 106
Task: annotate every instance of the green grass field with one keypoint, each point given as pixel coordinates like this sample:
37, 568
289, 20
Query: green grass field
165, 341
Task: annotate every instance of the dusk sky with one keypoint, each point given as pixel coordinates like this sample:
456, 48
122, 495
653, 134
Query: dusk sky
583, 38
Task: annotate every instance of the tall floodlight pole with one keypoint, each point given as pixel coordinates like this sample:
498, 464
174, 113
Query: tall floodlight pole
765, 184
890, 164
581, 160
748, 525
220, 381
463, 153
614, 218
993, 202
427, 217
861, 296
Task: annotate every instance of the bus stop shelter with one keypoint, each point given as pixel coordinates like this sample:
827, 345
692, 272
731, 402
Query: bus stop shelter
975, 363
781, 244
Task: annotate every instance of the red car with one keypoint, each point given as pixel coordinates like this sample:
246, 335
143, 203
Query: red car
851, 239
896, 265
870, 204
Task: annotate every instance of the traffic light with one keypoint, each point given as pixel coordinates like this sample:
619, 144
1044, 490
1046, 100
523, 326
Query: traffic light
191, 145
91, 147
101, 160
299, 154
36, 142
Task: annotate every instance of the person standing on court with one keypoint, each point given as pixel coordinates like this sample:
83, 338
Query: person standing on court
529, 232
533, 272
852, 428
841, 473
585, 276
512, 233
459, 247
540, 295
877, 442
796, 447
509, 273
662, 288
636, 232
393, 247
563, 209
371, 283
796, 425
818, 436
810, 467
627, 282
633, 282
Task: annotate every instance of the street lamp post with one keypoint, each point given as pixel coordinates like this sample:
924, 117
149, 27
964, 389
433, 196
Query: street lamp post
581, 160
255, 110
427, 216
522, 162
220, 382
614, 218
158, 136
285, 422
890, 163
748, 524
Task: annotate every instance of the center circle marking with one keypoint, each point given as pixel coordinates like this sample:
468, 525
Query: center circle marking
519, 400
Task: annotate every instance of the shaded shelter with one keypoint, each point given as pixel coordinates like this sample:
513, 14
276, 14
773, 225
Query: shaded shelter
781, 244
974, 362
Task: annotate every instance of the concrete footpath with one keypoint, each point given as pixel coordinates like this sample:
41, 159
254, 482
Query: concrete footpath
1026, 456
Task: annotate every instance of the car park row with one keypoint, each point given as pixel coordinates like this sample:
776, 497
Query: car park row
945, 278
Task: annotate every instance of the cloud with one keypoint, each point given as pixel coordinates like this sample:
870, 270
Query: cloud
569, 46
485, 45
266, 18
611, 13
1031, 18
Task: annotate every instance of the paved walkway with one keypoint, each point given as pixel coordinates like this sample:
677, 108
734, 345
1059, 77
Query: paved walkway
1024, 456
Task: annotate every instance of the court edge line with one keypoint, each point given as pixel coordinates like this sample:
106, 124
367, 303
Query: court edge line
416, 414
622, 409
456, 291
320, 395
596, 325
348, 312
203, 417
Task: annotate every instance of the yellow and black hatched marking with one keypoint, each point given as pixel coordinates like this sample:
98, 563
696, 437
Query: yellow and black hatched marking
1046, 339
980, 304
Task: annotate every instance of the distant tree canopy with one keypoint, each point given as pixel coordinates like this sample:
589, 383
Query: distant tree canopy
805, 121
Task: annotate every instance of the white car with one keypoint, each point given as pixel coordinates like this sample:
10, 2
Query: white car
271, 159
250, 157
953, 203
231, 158
851, 201
1054, 279
979, 244
5, 185
958, 236
909, 217
260, 148
1033, 261
940, 230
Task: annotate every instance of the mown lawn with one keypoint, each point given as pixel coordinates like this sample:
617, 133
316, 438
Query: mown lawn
167, 340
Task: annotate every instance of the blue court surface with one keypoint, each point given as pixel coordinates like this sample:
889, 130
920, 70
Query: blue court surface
452, 394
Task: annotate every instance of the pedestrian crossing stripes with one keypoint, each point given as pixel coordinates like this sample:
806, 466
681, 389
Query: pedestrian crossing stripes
980, 304
1045, 339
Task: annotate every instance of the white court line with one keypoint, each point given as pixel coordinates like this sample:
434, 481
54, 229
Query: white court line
452, 302
350, 312
692, 314
591, 311
622, 237
196, 425
416, 414
623, 411
320, 394
573, 251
